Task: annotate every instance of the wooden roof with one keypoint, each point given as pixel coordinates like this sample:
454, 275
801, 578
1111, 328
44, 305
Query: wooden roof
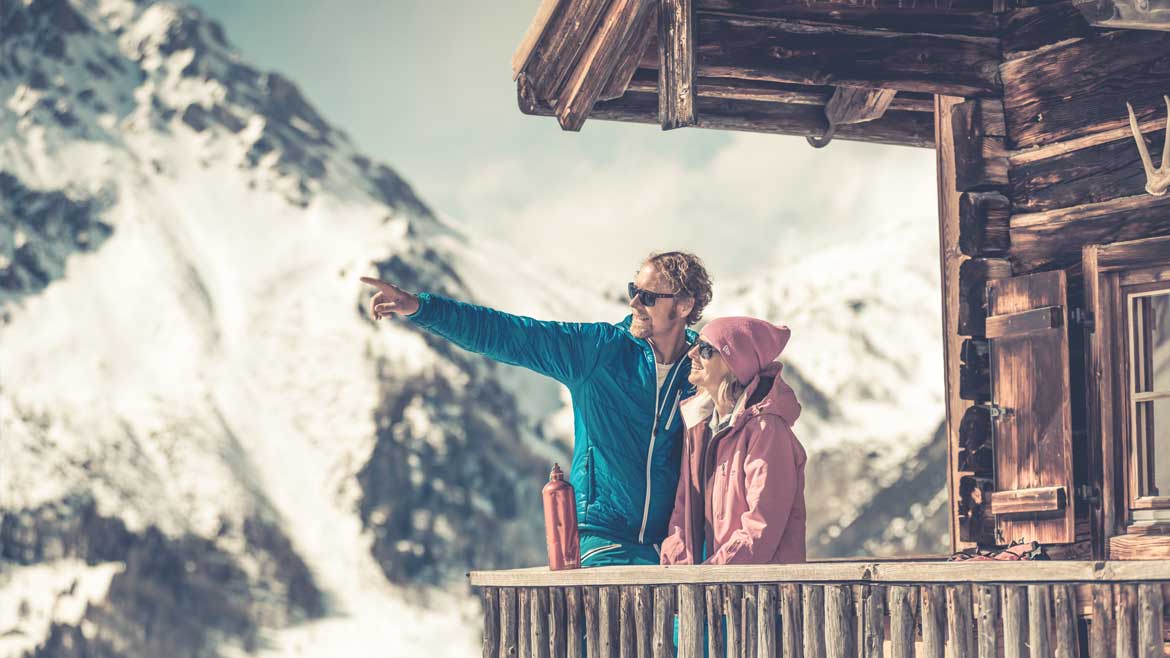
865, 70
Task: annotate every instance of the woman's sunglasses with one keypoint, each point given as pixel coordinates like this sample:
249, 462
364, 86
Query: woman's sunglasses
706, 350
647, 297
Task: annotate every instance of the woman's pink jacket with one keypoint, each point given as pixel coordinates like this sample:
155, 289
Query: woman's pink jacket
754, 475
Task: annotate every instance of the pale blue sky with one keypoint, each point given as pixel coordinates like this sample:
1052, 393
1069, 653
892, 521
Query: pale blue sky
425, 86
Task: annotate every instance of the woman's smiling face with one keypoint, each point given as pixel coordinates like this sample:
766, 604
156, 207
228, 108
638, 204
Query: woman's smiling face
708, 369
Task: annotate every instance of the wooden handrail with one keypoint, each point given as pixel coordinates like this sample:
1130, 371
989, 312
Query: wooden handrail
1056, 571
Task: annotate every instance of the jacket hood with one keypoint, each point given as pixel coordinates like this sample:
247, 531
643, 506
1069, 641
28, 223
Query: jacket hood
777, 400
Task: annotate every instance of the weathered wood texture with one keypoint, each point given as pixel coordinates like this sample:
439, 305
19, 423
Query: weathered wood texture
1031, 373
538, 645
1079, 87
902, 621
1014, 621
733, 607
491, 622
792, 638
563, 39
642, 36
644, 614
983, 223
981, 161
840, 632
598, 61
1025, 501
509, 624
1027, 29
817, 52
691, 621
813, 607
574, 623
676, 62
715, 637
646, 81
987, 620
901, 128
766, 640
933, 618
871, 612
664, 610
975, 442
974, 275
961, 621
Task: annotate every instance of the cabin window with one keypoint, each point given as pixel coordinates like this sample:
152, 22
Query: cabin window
1147, 323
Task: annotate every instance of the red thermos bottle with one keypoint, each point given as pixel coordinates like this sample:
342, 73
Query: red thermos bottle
560, 522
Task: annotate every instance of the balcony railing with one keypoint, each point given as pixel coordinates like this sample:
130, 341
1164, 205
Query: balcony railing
829, 610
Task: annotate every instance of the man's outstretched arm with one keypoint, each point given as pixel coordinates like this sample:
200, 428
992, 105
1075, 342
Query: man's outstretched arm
565, 351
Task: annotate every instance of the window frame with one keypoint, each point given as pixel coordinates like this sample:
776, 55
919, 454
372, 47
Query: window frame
1136, 284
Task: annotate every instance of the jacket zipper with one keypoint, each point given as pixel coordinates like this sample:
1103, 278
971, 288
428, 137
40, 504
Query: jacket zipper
674, 412
653, 435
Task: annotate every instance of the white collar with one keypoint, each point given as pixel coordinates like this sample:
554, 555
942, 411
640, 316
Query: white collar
702, 406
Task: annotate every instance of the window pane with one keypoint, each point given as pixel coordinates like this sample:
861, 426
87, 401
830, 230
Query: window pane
1158, 316
1152, 434
1150, 324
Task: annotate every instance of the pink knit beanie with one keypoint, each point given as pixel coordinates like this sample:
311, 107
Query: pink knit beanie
747, 344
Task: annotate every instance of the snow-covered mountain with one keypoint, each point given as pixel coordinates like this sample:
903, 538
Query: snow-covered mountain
207, 448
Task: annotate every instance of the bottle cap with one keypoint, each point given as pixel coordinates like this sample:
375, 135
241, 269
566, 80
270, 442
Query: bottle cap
557, 474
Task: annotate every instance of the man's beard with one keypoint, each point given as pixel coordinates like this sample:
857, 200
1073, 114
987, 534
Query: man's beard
645, 329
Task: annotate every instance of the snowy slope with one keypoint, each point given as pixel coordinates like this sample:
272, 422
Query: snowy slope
191, 391
201, 429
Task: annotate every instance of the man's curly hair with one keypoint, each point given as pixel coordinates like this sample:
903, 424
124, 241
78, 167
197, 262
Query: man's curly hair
687, 276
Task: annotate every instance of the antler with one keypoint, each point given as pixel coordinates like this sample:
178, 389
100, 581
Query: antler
1157, 180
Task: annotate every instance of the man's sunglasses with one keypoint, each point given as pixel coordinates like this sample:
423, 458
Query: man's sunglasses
647, 297
706, 350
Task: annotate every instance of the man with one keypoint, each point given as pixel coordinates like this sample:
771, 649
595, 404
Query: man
626, 381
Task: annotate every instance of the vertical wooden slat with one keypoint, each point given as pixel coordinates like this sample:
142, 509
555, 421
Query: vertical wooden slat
690, 621
1102, 621
747, 631
664, 607
1065, 621
1039, 621
733, 607
934, 620
839, 622
644, 614
987, 620
870, 605
538, 620
791, 645
524, 624
1014, 621
574, 624
589, 600
626, 648
676, 63
607, 622
765, 622
1125, 642
1150, 620
813, 607
491, 623
960, 621
714, 594
558, 621
901, 622
509, 647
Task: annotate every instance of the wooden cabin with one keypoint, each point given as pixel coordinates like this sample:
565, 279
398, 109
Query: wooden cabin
1054, 248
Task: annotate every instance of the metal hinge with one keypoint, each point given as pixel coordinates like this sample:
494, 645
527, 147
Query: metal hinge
999, 412
1083, 318
1089, 493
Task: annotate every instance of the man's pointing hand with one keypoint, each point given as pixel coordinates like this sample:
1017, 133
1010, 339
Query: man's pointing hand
390, 299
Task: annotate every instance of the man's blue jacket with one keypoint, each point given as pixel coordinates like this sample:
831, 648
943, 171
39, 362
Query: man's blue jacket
627, 434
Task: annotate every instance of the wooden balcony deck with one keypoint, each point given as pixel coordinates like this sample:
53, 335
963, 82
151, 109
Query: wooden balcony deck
868, 609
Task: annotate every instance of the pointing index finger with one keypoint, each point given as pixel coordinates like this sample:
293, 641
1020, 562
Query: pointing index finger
381, 285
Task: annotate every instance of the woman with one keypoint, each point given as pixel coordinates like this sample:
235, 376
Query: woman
740, 497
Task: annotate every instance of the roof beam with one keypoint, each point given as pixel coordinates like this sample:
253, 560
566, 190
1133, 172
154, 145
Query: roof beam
598, 61
676, 63
643, 33
561, 42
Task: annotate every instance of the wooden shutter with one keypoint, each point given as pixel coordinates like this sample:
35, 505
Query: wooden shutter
1027, 325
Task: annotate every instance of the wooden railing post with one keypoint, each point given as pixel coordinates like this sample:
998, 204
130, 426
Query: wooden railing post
491, 623
1102, 621
644, 613
590, 603
574, 624
538, 620
839, 622
626, 648
607, 622
1150, 619
747, 628
663, 622
714, 597
791, 643
766, 621
987, 617
1039, 621
1063, 601
934, 619
690, 621
901, 621
1125, 640
960, 621
509, 647
733, 607
1014, 621
814, 621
